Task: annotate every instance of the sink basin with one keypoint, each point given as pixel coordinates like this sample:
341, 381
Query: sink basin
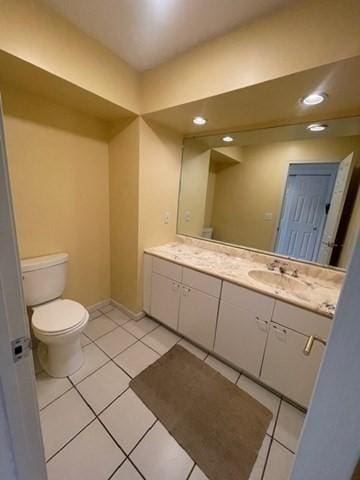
280, 282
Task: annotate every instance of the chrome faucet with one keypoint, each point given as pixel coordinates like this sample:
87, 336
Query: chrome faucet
277, 264
272, 265
282, 267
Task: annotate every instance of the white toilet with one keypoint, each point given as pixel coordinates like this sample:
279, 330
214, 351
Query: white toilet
56, 322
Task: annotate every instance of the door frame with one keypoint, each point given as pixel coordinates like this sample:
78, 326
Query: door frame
310, 168
21, 432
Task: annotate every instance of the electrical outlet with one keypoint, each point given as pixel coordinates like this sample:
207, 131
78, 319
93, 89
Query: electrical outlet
187, 216
167, 217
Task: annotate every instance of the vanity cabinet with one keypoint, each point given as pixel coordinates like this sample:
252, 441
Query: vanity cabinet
197, 317
183, 299
240, 337
165, 300
286, 368
243, 325
257, 333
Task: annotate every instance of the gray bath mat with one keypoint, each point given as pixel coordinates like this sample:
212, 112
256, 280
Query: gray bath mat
220, 426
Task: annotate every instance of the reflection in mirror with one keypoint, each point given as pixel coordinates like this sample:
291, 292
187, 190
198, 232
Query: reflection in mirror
286, 190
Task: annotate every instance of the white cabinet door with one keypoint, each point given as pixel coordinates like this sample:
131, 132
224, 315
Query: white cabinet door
286, 368
165, 298
197, 319
240, 337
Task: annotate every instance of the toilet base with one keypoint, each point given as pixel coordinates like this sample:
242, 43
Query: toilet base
61, 360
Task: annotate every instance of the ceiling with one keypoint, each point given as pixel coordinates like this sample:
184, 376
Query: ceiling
276, 102
146, 33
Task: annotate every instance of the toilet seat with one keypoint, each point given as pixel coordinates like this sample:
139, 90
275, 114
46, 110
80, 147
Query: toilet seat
59, 317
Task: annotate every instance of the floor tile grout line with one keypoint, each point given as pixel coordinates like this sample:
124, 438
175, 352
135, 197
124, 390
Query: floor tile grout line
112, 359
147, 333
283, 445
153, 349
114, 400
117, 469
191, 471
266, 459
57, 398
100, 421
103, 335
71, 439
91, 373
144, 434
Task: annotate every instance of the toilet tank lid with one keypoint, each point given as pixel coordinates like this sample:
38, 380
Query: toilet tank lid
37, 263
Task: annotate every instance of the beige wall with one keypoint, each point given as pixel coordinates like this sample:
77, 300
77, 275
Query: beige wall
194, 183
145, 165
58, 162
245, 192
124, 213
34, 33
298, 37
160, 164
209, 202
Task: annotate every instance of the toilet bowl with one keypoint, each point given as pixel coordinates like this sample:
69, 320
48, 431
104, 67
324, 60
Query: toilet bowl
58, 326
57, 323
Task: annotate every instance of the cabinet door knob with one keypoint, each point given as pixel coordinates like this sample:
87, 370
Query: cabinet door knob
263, 325
186, 291
280, 333
175, 287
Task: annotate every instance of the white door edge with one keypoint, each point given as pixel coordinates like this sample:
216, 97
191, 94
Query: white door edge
21, 433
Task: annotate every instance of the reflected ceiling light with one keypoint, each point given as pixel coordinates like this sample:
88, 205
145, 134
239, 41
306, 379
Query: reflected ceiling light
199, 120
316, 127
314, 98
227, 139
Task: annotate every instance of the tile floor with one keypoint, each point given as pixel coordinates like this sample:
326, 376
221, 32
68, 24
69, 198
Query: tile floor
95, 428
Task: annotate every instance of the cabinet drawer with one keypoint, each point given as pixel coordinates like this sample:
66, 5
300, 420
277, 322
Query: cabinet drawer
168, 269
301, 320
201, 281
249, 300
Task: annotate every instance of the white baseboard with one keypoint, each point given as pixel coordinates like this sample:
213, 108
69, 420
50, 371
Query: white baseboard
129, 313
98, 305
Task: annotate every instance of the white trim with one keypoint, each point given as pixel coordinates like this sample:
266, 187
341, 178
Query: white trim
129, 313
98, 305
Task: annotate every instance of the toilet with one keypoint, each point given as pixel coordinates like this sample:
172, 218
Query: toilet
57, 323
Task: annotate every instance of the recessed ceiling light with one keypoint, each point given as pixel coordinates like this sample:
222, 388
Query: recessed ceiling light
227, 139
199, 120
316, 127
314, 98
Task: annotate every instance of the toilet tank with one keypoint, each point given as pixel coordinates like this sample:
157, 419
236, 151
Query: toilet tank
44, 278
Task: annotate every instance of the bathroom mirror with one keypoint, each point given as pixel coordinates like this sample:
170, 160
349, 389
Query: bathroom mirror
289, 190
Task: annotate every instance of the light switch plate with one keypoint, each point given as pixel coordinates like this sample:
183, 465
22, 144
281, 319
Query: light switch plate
268, 216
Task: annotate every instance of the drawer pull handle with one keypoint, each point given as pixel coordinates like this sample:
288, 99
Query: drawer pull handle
175, 286
310, 343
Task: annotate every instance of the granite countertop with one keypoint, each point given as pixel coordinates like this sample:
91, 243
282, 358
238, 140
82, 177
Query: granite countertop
316, 288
